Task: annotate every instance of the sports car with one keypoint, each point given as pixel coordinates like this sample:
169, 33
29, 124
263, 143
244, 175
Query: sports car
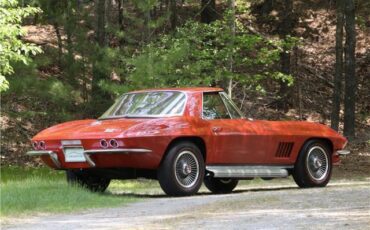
186, 136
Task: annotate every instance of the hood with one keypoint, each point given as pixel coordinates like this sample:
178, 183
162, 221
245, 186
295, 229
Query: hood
88, 129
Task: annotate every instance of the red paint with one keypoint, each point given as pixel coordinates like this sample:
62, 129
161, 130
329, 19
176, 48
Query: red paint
228, 141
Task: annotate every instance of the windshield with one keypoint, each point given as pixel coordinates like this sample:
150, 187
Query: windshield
147, 104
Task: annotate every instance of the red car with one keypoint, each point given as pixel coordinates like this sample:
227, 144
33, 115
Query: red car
184, 136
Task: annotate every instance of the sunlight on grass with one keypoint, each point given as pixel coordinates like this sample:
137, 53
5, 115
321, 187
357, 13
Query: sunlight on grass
43, 190
40, 195
138, 187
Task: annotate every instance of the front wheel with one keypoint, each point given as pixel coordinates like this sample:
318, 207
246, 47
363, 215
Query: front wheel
217, 185
313, 166
91, 182
182, 170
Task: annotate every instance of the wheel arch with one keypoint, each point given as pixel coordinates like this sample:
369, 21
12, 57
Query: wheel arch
198, 141
324, 140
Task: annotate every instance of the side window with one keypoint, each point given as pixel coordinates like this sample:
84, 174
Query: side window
231, 107
214, 107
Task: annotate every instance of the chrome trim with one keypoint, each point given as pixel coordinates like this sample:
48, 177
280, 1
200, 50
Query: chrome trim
39, 152
224, 97
216, 92
89, 160
115, 151
317, 163
343, 152
248, 171
53, 155
54, 158
186, 169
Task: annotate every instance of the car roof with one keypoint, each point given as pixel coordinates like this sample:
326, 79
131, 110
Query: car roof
186, 89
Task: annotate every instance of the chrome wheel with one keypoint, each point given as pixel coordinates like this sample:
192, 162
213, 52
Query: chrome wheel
186, 169
317, 163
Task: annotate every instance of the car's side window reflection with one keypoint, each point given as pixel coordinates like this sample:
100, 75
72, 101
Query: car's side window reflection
214, 107
231, 107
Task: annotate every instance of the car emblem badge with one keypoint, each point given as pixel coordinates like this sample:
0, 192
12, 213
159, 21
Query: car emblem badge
109, 130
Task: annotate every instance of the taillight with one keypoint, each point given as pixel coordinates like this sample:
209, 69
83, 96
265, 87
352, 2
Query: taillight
34, 145
103, 143
42, 145
113, 143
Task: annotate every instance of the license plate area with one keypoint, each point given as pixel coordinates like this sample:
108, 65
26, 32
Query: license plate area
74, 154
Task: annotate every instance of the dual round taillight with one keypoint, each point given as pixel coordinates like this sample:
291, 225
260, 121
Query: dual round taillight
39, 145
35, 145
111, 143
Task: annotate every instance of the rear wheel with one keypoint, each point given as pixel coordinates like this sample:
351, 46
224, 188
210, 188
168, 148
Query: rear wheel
217, 185
313, 166
92, 182
182, 170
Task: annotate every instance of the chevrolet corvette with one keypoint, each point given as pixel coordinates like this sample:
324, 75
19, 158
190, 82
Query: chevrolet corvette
186, 136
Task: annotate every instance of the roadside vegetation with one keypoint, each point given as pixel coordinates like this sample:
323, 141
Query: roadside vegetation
42, 190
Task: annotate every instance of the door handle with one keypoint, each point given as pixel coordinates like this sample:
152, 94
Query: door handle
216, 129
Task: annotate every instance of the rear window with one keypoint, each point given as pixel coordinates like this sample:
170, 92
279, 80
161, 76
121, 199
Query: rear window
147, 104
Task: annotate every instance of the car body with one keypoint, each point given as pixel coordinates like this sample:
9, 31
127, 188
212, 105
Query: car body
144, 132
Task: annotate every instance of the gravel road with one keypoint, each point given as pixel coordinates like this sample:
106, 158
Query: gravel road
337, 206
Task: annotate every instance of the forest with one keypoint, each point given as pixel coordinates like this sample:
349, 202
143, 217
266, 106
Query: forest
62, 60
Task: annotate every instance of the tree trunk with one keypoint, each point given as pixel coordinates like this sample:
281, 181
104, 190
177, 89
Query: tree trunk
120, 14
100, 27
69, 28
231, 22
350, 70
173, 18
285, 28
208, 11
146, 32
338, 65
99, 97
60, 44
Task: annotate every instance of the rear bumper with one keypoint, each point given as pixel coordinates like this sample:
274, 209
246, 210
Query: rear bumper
53, 156
87, 153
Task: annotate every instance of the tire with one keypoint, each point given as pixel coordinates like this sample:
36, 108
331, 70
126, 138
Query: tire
216, 185
313, 166
91, 182
267, 178
182, 170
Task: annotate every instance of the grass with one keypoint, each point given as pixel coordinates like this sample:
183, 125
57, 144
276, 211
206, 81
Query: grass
41, 190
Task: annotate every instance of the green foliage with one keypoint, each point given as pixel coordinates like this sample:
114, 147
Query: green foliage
12, 48
138, 55
202, 54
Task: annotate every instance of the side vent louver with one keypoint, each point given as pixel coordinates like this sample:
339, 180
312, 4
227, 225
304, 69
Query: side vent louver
284, 149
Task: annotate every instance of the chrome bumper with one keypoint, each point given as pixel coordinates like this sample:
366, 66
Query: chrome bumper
54, 157
343, 152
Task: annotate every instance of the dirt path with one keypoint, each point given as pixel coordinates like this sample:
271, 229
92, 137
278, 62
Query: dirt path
338, 206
